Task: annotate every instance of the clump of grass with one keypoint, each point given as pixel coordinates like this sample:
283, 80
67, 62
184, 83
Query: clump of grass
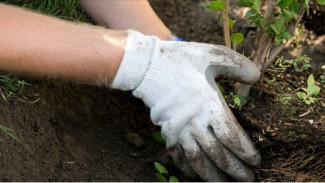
10, 85
65, 9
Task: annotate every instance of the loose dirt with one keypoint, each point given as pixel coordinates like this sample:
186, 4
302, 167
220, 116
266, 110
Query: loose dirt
72, 132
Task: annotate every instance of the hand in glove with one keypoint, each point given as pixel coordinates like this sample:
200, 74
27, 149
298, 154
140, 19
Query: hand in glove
176, 81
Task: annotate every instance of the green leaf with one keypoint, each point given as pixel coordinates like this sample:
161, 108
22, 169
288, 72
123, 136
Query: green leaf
295, 6
217, 5
284, 17
237, 38
158, 137
249, 13
286, 3
173, 179
275, 29
259, 22
278, 23
160, 168
321, 2
307, 102
282, 30
256, 3
287, 13
237, 101
286, 35
311, 99
301, 95
257, 10
294, 14
245, 3
221, 88
311, 89
160, 177
316, 92
231, 23
243, 101
277, 40
311, 80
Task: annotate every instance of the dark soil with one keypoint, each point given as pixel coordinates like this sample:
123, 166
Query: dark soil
73, 132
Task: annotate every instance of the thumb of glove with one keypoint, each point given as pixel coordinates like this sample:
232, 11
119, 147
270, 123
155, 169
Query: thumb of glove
241, 68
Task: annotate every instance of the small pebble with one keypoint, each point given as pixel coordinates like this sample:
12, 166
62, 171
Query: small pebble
134, 139
273, 134
135, 154
260, 139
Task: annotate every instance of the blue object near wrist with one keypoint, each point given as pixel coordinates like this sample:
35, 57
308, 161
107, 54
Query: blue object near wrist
179, 38
175, 38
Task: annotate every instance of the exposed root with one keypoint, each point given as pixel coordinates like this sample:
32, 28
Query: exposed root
298, 176
307, 164
27, 101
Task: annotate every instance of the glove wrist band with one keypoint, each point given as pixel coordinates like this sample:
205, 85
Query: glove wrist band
135, 62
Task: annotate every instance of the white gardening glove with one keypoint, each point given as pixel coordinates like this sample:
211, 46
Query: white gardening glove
176, 81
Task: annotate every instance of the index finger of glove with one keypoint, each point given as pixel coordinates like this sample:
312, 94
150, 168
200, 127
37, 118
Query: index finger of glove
222, 157
228, 131
231, 135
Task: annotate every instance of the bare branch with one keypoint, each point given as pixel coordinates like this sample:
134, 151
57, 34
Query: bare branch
264, 50
269, 11
225, 21
274, 52
268, 15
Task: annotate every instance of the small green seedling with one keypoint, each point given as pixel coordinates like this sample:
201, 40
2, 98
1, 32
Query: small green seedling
279, 64
278, 29
162, 172
285, 99
300, 64
158, 137
309, 94
322, 77
236, 100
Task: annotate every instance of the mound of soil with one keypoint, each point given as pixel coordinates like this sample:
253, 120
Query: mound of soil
71, 132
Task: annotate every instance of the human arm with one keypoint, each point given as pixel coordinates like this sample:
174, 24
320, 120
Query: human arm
175, 79
126, 14
35, 44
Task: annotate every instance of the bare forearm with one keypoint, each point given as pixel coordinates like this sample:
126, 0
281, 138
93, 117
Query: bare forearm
35, 44
126, 14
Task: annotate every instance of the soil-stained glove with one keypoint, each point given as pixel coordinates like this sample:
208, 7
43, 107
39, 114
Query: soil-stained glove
176, 81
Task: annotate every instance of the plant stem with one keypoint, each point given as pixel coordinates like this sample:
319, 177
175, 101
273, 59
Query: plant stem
291, 28
225, 21
264, 54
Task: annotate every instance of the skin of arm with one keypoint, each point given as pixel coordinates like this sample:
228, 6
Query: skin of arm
126, 14
35, 44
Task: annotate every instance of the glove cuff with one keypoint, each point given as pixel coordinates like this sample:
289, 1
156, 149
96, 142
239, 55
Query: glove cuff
135, 62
